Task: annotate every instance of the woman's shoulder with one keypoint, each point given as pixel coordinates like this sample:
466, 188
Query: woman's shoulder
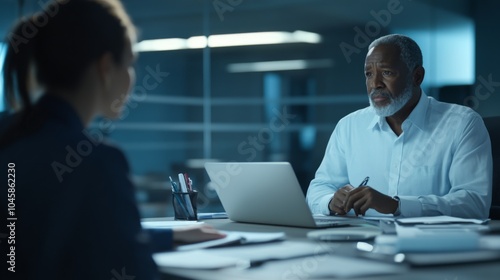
102, 153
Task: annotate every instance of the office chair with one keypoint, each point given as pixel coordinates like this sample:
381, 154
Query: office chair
493, 126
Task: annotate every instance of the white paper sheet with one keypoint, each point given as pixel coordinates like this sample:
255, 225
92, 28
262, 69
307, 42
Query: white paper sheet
439, 220
197, 259
322, 266
289, 260
238, 255
273, 251
169, 224
233, 237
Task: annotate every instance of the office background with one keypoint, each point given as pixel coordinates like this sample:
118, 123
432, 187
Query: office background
198, 99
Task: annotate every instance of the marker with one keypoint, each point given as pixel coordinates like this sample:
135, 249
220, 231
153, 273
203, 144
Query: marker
188, 182
184, 189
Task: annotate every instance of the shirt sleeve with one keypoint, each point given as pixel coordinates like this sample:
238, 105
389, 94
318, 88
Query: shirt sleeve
330, 176
160, 239
470, 176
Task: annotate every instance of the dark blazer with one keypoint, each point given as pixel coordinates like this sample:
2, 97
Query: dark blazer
74, 203
493, 126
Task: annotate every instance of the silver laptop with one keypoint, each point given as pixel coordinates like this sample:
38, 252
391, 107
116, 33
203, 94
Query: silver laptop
265, 193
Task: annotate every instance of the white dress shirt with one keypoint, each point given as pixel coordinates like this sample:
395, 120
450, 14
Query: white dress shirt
440, 165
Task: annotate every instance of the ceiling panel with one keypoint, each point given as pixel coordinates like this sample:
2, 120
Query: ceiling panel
184, 18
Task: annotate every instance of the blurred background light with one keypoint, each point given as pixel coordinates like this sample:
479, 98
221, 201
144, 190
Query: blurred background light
283, 65
229, 40
3, 50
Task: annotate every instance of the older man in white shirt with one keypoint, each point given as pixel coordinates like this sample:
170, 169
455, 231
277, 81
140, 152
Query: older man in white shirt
423, 157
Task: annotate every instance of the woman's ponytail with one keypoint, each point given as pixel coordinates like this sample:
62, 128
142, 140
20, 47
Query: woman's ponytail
18, 61
17, 71
53, 49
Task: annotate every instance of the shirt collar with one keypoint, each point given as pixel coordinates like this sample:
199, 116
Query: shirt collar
416, 117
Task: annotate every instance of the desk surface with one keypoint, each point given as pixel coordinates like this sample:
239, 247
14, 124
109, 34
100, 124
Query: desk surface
487, 270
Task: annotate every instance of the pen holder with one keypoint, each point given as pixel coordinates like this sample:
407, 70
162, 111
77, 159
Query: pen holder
185, 205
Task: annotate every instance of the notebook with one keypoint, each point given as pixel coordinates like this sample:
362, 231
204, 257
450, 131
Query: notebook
266, 193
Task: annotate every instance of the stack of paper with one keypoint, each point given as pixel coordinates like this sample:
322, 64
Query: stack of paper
439, 220
435, 234
425, 241
417, 239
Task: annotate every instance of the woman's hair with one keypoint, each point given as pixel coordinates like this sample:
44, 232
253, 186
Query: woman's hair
55, 46
60, 42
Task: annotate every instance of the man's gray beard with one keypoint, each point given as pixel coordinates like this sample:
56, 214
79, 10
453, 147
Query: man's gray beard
395, 103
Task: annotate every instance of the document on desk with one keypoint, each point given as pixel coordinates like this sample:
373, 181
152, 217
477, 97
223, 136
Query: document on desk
238, 256
435, 220
235, 237
197, 259
435, 239
318, 260
287, 260
169, 224
439, 234
259, 253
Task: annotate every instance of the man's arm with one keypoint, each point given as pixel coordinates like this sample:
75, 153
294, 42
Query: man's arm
331, 174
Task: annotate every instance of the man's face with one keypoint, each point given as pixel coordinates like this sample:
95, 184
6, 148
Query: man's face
388, 81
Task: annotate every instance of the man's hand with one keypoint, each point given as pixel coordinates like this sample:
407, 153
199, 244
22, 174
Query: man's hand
362, 198
336, 204
196, 234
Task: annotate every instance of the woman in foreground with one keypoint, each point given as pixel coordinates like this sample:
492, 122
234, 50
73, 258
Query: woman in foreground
74, 203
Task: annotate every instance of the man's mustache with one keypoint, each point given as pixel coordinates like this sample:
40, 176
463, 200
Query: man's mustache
379, 93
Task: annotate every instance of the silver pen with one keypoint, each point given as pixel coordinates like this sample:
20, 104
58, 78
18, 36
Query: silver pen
364, 182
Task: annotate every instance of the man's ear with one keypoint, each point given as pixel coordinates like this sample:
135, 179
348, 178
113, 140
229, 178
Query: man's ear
104, 66
418, 76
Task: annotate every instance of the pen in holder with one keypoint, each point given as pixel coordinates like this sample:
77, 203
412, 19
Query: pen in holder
185, 205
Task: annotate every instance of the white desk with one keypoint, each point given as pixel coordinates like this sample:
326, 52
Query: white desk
298, 268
